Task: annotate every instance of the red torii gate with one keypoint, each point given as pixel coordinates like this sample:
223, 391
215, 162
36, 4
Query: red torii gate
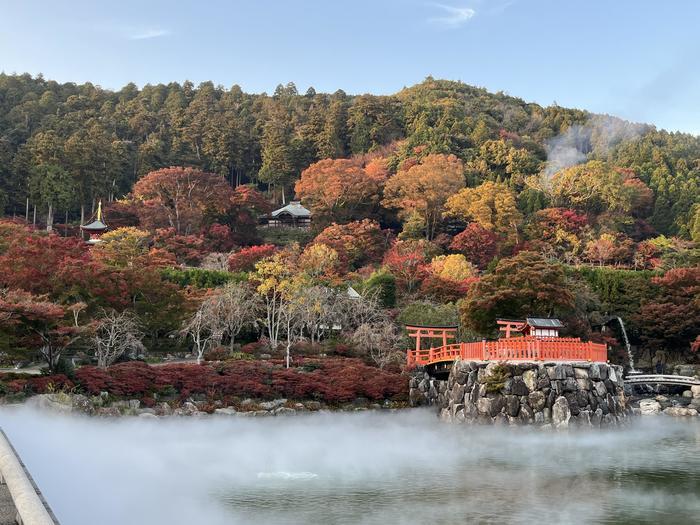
443, 333
508, 326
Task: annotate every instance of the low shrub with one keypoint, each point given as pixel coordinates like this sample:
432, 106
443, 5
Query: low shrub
332, 380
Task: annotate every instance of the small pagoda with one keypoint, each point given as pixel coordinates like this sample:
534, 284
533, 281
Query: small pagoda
96, 228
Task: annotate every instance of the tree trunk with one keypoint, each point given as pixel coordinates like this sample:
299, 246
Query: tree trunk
49, 219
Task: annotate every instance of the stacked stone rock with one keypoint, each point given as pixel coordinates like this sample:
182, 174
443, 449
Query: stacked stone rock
544, 394
661, 404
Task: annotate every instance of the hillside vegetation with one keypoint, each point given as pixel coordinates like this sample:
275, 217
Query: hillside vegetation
440, 203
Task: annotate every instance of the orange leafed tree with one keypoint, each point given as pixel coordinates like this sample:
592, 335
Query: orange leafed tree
424, 188
342, 189
181, 198
357, 243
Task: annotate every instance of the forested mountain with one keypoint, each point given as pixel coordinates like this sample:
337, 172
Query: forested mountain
67, 145
441, 202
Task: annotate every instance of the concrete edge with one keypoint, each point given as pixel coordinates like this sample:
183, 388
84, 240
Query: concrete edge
32, 508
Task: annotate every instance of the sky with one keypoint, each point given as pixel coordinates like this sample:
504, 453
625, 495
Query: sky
637, 59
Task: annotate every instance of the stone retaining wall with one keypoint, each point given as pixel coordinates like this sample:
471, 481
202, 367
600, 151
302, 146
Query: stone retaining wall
544, 394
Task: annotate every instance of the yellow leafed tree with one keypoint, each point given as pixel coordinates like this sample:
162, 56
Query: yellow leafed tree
492, 205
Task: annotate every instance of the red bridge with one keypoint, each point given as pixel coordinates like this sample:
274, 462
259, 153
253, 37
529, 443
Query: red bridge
537, 344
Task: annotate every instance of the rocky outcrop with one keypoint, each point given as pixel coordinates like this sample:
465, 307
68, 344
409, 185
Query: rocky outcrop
556, 395
102, 406
682, 404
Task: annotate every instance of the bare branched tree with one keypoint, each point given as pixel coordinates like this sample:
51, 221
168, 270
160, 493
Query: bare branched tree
365, 309
235, 307
203, 327
379, 340
115, 335
320, 308
292, 325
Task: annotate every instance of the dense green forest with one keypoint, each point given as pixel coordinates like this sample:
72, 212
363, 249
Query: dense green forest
68, 145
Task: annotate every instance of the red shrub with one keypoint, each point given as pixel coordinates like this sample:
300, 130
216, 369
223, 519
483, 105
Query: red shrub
93, 380
44, 384
333, 380
244, 260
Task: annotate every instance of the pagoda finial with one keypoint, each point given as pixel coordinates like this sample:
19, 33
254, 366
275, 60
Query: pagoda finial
99, 210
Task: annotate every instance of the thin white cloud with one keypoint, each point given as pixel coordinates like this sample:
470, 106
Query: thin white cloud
453, 16
147, 33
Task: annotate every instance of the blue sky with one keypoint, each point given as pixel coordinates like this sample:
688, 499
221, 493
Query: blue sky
635, 59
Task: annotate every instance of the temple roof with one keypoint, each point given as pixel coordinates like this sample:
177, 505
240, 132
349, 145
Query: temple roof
544, 322
97, 225
294, 208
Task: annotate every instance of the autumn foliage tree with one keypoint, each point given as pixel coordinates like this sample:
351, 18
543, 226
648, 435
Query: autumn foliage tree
561, 228
122, 247
244, 259
448, 277
671, 319
523, 285
247, 205
597, 187
62, 268
319, 261
424, 188
492, 205
477, 244
357, 243
37, 324
609, 248
405, 260
181, 198
340, 190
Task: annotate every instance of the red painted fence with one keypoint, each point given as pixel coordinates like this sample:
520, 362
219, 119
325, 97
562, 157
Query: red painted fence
513, 349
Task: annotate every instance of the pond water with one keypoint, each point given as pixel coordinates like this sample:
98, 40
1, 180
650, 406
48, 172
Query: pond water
355, 468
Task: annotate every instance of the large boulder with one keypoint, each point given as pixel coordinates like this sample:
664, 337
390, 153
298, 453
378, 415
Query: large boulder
518, 387
561, 414
581, 373
537, 400
530, 379
649, 407
600, 389
512, 405
583, 383
490, 406
681, 412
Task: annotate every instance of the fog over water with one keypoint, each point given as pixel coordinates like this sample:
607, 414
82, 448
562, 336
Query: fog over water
355, 468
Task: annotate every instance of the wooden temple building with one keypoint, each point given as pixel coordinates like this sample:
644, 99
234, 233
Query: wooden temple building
293, 215
531, 339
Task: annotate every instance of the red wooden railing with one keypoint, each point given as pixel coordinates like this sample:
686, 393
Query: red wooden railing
513, 349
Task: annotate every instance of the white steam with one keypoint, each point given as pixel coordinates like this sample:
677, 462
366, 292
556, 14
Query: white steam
597, 136
358, 468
